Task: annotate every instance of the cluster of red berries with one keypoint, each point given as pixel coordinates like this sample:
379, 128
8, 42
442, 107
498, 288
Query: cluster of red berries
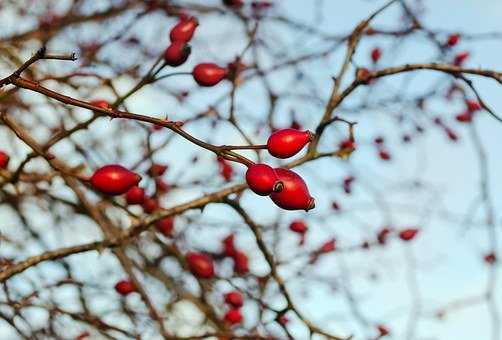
471, 107
405, 235
235, 301
177, 53
285, 187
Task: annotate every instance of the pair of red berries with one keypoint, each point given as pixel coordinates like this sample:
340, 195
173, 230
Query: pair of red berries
285, 187
235, 301
241, 263
200, 264
179, 50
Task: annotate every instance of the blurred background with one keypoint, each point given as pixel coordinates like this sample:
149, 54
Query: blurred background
426, 171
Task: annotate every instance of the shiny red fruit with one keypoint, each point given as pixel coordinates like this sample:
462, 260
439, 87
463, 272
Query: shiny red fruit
183, 31
234, 298
201, 265
165, 226
285, 143
157, 169
208, 74
328, 247
125, 287
241, 265
135, 195
460, 58
233, 316
408, 234
177, 53
114, 179
150, 205
473, 105
228, 245
298, 226
376, 54
4, 160
262, 179
465, 117
295, 194
453, 39
100, 103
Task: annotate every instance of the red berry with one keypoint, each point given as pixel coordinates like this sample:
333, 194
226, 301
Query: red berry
490, 258
183, 31
241, 262
328, 247
451, 134
384, 155
233, 316
114, 179
228, 245
382, 235
408, 234
473, 105
335, 205
382, 330
226, 170
364, 76
177, 53
201, 265
298, 226
165, 226
262, 179
157, 170
161, 185
234, 298
135, 195
347, 144
376, 54
208, 74
233, 3
465, 117
379, 140
285, 143
4, 160
100, 103
460, 58
150, 205
295, 194
125, 287
453, 39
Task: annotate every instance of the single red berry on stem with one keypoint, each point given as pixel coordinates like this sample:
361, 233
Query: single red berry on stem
125, 287
177, 53
384, 155
465, 117
114, 179
382, 235
241, 265
150, 205
233, 316
298, 226
100, 103
229, 246
408, 234
165, 226
295, 194
376, 54
157, 169
473, 105
208, 74
135, 195
328, 246
226, 170
285, 143
262, 179
490, 258
183, 31
4, 160
234, 298
460, 58
201, 265
453, 39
